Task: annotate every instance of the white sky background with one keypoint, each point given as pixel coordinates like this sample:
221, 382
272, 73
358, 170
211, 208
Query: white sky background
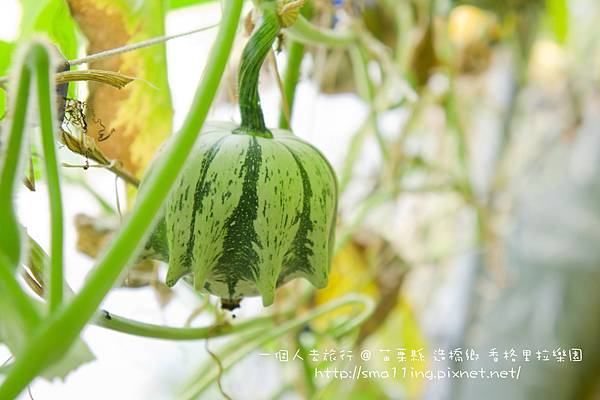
129, 367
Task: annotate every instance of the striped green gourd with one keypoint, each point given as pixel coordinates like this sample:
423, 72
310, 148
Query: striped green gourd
254, 208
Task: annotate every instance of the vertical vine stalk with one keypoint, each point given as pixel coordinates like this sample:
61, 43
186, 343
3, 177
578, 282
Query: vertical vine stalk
37, 63
13, 147
290, 81
43, 69
56, 336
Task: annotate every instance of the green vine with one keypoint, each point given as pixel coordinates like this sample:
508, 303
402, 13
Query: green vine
43, 68
307, 33
12, 156
132, 327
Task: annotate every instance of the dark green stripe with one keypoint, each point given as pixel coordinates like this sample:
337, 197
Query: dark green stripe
301, 248
335, 192
202, 188
239, 260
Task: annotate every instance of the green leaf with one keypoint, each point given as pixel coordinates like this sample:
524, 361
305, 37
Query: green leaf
558, 13
53, 18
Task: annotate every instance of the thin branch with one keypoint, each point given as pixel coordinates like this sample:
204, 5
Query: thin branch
135, 46
117, 199
9, 359
113, 52
275, 69
197, 312
290, 81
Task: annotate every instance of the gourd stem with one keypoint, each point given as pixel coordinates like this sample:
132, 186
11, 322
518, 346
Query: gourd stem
255, 52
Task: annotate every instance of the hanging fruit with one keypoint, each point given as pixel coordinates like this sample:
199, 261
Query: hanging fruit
254, 207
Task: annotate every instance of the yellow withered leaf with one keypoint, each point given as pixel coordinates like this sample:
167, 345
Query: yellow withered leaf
130, 123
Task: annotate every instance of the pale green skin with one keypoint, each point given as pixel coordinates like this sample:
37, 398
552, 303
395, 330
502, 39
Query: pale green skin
237, 241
